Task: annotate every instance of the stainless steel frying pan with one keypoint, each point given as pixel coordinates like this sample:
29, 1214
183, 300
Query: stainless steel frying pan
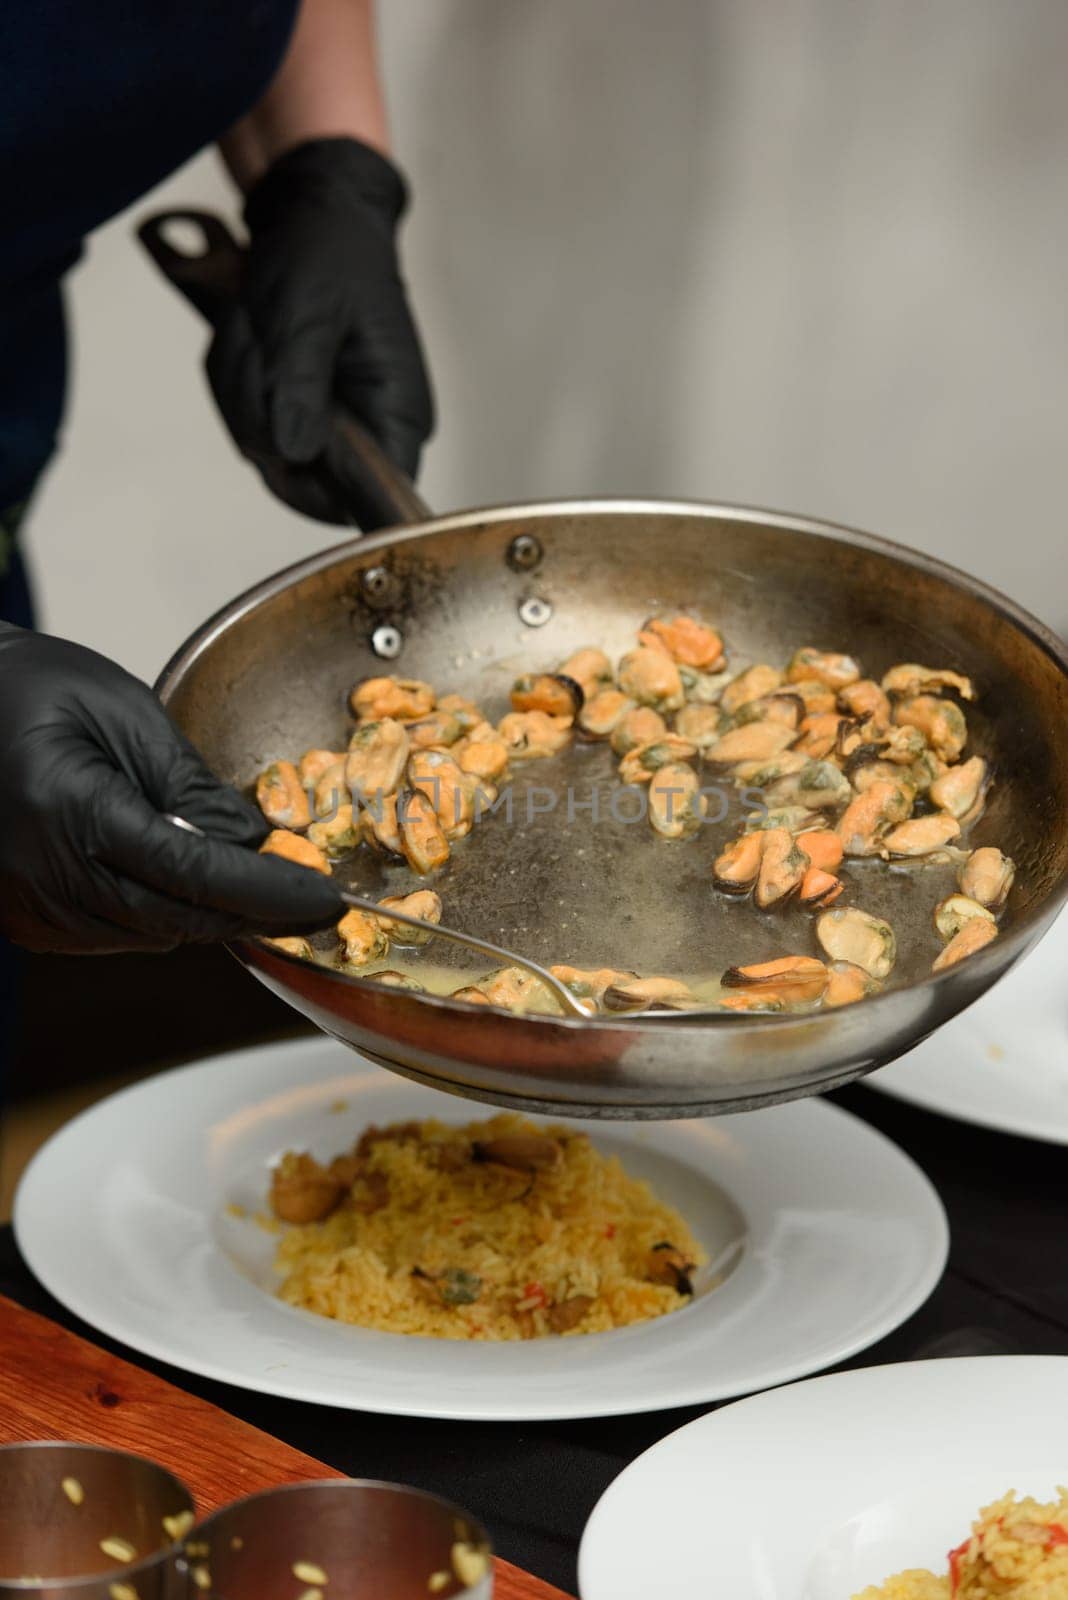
467, 601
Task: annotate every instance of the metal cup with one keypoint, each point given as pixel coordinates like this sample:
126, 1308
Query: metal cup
78, 1522
348, 1538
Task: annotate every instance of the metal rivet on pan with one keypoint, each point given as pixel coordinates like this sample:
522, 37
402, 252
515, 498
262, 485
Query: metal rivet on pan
535, 612
524, 552
387, 641
378, 586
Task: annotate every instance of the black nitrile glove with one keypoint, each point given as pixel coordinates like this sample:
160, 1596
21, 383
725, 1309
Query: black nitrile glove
89, 762
322, 319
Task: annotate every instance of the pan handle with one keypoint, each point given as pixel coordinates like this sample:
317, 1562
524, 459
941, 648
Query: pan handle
361, 480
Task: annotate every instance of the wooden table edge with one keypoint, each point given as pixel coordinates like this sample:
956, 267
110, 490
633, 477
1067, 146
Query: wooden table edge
56, 1385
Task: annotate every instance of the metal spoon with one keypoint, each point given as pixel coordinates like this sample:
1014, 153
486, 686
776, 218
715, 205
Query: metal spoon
572, 1005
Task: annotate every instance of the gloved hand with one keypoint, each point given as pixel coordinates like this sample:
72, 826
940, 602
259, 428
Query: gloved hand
89, 761
322, 318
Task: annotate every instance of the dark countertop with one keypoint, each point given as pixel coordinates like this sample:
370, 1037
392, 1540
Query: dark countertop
1005, 1291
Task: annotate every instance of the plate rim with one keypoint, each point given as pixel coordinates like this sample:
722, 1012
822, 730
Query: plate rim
98, 1316
1023, 1129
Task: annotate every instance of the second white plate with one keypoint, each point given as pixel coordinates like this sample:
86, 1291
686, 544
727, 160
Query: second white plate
124, 1218
1004, 1062
819, 1489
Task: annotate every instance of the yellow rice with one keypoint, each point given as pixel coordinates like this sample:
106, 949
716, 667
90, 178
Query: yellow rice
1017, 1550
915, 1584
530, 1240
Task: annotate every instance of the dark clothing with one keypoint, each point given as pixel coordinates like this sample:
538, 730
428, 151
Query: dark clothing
16, 602
16, 606
98, 103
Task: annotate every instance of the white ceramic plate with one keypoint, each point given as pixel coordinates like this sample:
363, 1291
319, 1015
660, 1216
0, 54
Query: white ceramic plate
1003, 1063
124, 1217
814, 1491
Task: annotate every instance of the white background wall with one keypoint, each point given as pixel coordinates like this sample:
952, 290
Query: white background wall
805, 253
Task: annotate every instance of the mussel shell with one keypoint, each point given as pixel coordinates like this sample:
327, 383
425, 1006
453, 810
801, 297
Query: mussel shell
574, 689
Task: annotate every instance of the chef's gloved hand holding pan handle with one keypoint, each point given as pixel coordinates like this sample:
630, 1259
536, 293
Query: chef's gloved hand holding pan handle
315, 361
89, 863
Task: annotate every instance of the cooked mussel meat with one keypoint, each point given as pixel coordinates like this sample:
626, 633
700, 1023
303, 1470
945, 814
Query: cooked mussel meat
602, 711
700, 724
363, 939
651, 678
378, 754
736, 867
280, 796
590, 985
847, 984
987, 876
864, 699
676, 805
920, 836
554, 693
422, 903
951, 914
750, 685
590, 668
789, 709
402, 698
313, 763
293, 947
295, 847
755, 741
435, 774
337, 834
790, 978
975, 933
639, 726
534, 735
910, 678
875, 810
399, 980
819, 888
821, 786
644, 994
822, 666
516, 989
439, 729
820, 733
422, 838
940, 721
961, 790
848, 934
688, 642
482, 753
639, 765
783, 864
